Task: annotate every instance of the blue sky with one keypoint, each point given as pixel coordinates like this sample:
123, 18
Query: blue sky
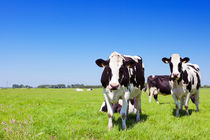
51, 42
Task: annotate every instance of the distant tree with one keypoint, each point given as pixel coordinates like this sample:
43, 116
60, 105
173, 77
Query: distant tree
206, 86
15, 86
20, 86
43, 86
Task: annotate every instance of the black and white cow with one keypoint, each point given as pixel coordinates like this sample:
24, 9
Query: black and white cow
185, 80
158, 84
122, 78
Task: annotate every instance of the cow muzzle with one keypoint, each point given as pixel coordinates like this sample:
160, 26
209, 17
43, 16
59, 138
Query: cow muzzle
175, 76
114, 86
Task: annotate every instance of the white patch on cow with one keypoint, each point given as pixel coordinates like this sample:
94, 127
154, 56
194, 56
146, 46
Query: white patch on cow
175, 60
116, 61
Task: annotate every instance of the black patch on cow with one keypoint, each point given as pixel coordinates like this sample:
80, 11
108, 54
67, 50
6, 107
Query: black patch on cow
116, 108
189, 86
137, 78
193, 81
185, 77
171, 67
199, 81
139, 73
181, 77
192, 97
132, 101
194, 67
123, 76
156, 97
161, 82
106, 76
180, 67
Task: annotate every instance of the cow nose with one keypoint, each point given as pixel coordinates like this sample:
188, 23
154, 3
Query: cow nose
175, 75
114, 86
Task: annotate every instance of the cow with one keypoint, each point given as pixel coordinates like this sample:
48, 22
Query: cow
122, 78
185, 81
117, 107
158, 84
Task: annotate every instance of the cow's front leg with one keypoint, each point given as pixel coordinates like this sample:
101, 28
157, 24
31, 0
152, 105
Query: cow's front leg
186, 103
109, 110
176, 102
138, 107
150, 94
181, 102
123, 112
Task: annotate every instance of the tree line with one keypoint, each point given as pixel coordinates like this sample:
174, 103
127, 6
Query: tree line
70, 86
58, 86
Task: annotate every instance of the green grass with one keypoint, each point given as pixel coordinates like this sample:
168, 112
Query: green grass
67, 114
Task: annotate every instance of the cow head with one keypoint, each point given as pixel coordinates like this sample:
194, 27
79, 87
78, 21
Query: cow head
115, 74
175, 62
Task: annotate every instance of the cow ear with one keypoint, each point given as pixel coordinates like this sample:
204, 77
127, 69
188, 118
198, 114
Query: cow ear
185, 60
130, 63
165, 60
101, 62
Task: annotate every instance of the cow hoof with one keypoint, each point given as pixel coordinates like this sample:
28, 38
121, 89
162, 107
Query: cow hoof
110, 128
177, 115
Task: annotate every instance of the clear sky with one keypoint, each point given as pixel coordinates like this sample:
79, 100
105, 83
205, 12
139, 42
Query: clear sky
52, 42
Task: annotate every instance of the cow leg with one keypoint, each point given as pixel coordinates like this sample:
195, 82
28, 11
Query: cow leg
187, 103
156, 98
102, 107
197, 100
123, 112
110, 111
150, 95
138, 107
181, 103
177, 103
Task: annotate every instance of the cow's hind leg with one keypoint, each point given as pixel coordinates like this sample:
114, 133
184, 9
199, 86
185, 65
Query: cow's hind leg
187, 103
197, 100
138, 107
156, 98
150, 94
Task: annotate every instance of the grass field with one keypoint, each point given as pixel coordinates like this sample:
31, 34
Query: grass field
67, 114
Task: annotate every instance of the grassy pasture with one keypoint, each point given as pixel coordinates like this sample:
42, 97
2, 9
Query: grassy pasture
67, 114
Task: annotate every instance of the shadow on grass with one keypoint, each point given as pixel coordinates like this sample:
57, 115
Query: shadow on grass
182, 113
165, 103
131, 121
